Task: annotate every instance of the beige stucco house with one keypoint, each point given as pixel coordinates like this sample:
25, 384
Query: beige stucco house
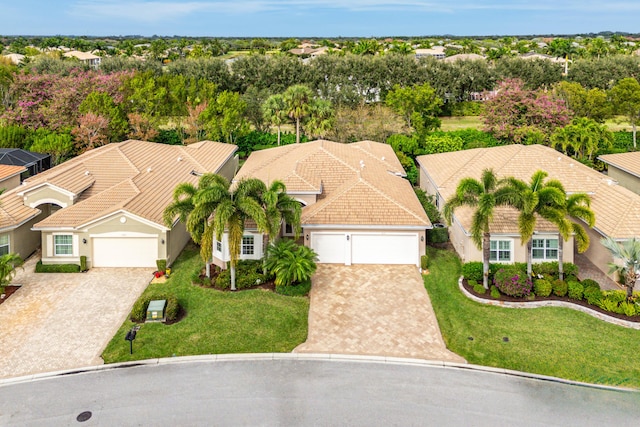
624, 168
107, 204
10, 176
356, 206
617, 209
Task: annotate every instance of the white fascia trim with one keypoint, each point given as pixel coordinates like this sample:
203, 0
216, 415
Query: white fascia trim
48, 184
13, 227
366, 227
84, 227
48, 200
635, 174
66, 230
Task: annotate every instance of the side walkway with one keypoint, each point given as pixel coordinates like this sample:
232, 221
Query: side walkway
380, 310
64, 320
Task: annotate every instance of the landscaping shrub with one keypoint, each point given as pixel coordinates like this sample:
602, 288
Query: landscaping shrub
575, 290
428, 204
590, 283
438, 235
139, 310
593, 295
478, 288
542, 287
248, 275
495, 293
57, 268
289, 262
511, 281
299, 290
615, 296
161, 264
83, 263
472, 271
424, 262
560, 287
551, 269
629, 309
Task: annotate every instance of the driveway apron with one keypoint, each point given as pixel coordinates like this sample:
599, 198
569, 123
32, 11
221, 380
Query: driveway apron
64, 320
381, 310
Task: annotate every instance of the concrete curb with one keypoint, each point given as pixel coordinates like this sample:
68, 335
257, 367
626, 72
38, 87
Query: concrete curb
551, 303
249, 357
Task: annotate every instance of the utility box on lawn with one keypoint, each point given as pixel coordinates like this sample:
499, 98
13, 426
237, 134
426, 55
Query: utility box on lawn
155, 311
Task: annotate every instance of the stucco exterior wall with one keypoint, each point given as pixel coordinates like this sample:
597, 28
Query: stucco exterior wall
176, 240
625, 179
220, 258
10, 183
23, 241
47, 194
229, 169
596, 253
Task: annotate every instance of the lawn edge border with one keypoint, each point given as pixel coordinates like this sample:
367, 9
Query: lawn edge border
550, 303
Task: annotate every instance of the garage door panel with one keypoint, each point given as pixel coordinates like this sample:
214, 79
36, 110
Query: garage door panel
384, 248
329, 247
124, 252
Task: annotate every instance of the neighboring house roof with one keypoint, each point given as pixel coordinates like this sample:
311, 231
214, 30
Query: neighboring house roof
131, 176
82, 56
628, 162
464, 57
617, 209
534, 55
16, 58
7, 171
356, 184
19, 157
309, 51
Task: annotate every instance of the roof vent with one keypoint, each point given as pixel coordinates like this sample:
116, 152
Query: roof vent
362, 163
87, 173
195, 173
179, 158
382, 158
149, 169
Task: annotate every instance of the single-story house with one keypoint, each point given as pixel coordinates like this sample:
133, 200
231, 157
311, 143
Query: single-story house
616, 208
10, 176
624, 168
107, 204
84, 57
34, 162
357, 207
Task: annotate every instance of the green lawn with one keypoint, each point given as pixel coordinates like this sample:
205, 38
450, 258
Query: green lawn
457, 123
254, 321
551, 341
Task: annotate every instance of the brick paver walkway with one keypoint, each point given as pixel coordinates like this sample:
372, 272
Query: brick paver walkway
373, 310
62, 321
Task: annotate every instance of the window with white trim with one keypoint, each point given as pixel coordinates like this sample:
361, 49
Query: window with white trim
63, 244
500, 250
218, 246
247, 245
4, 244
288, 229
544, 249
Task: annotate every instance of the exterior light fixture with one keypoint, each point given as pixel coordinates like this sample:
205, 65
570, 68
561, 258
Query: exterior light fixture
84, 241
162, 241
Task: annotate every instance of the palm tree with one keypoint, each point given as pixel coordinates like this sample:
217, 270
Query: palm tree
225, 209
275, 111
279, 207
578, 206
321, 118
297, 99
627, 251
8, 265
539, 198
290, 263
484, 195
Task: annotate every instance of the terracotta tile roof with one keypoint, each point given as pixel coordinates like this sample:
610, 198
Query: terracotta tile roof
354, 182
628, 162
617, 209
135, 176
7, 171
13, 211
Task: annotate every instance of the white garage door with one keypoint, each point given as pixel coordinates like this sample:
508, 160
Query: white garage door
125, 251
329, 247
384, 248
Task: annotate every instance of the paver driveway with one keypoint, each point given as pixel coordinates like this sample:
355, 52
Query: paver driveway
63, 321
381, 310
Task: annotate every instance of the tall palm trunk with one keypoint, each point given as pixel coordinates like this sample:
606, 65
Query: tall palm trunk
486, 253
233, 276
297, 130
278, 134
529, 257
630, 281
560, 257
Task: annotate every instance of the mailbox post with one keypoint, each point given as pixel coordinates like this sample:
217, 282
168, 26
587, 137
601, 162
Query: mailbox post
131, 335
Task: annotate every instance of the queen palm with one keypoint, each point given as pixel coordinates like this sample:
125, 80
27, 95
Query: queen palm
280, 208
539, 199
483, 195
628, 252
275, 112
577, 206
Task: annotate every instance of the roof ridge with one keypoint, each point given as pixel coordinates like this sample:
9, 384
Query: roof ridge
183, 149
125, 157
394, 201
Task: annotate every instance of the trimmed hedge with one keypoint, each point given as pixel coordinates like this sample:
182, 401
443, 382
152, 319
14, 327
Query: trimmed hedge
139, 310
57, 268
299, 290
576, 290
424, 262
560, 287
542, 288
248, 275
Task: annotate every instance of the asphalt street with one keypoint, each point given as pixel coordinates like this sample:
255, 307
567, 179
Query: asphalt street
305, 392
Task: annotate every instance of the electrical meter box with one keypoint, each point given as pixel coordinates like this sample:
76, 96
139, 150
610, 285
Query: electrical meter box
155, 311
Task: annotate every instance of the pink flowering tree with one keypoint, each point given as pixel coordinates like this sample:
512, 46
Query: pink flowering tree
91, 132
518, 115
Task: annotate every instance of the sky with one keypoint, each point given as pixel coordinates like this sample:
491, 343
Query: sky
316, 18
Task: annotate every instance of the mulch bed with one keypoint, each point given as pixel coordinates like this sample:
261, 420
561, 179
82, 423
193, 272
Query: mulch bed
8, 291
551, 297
